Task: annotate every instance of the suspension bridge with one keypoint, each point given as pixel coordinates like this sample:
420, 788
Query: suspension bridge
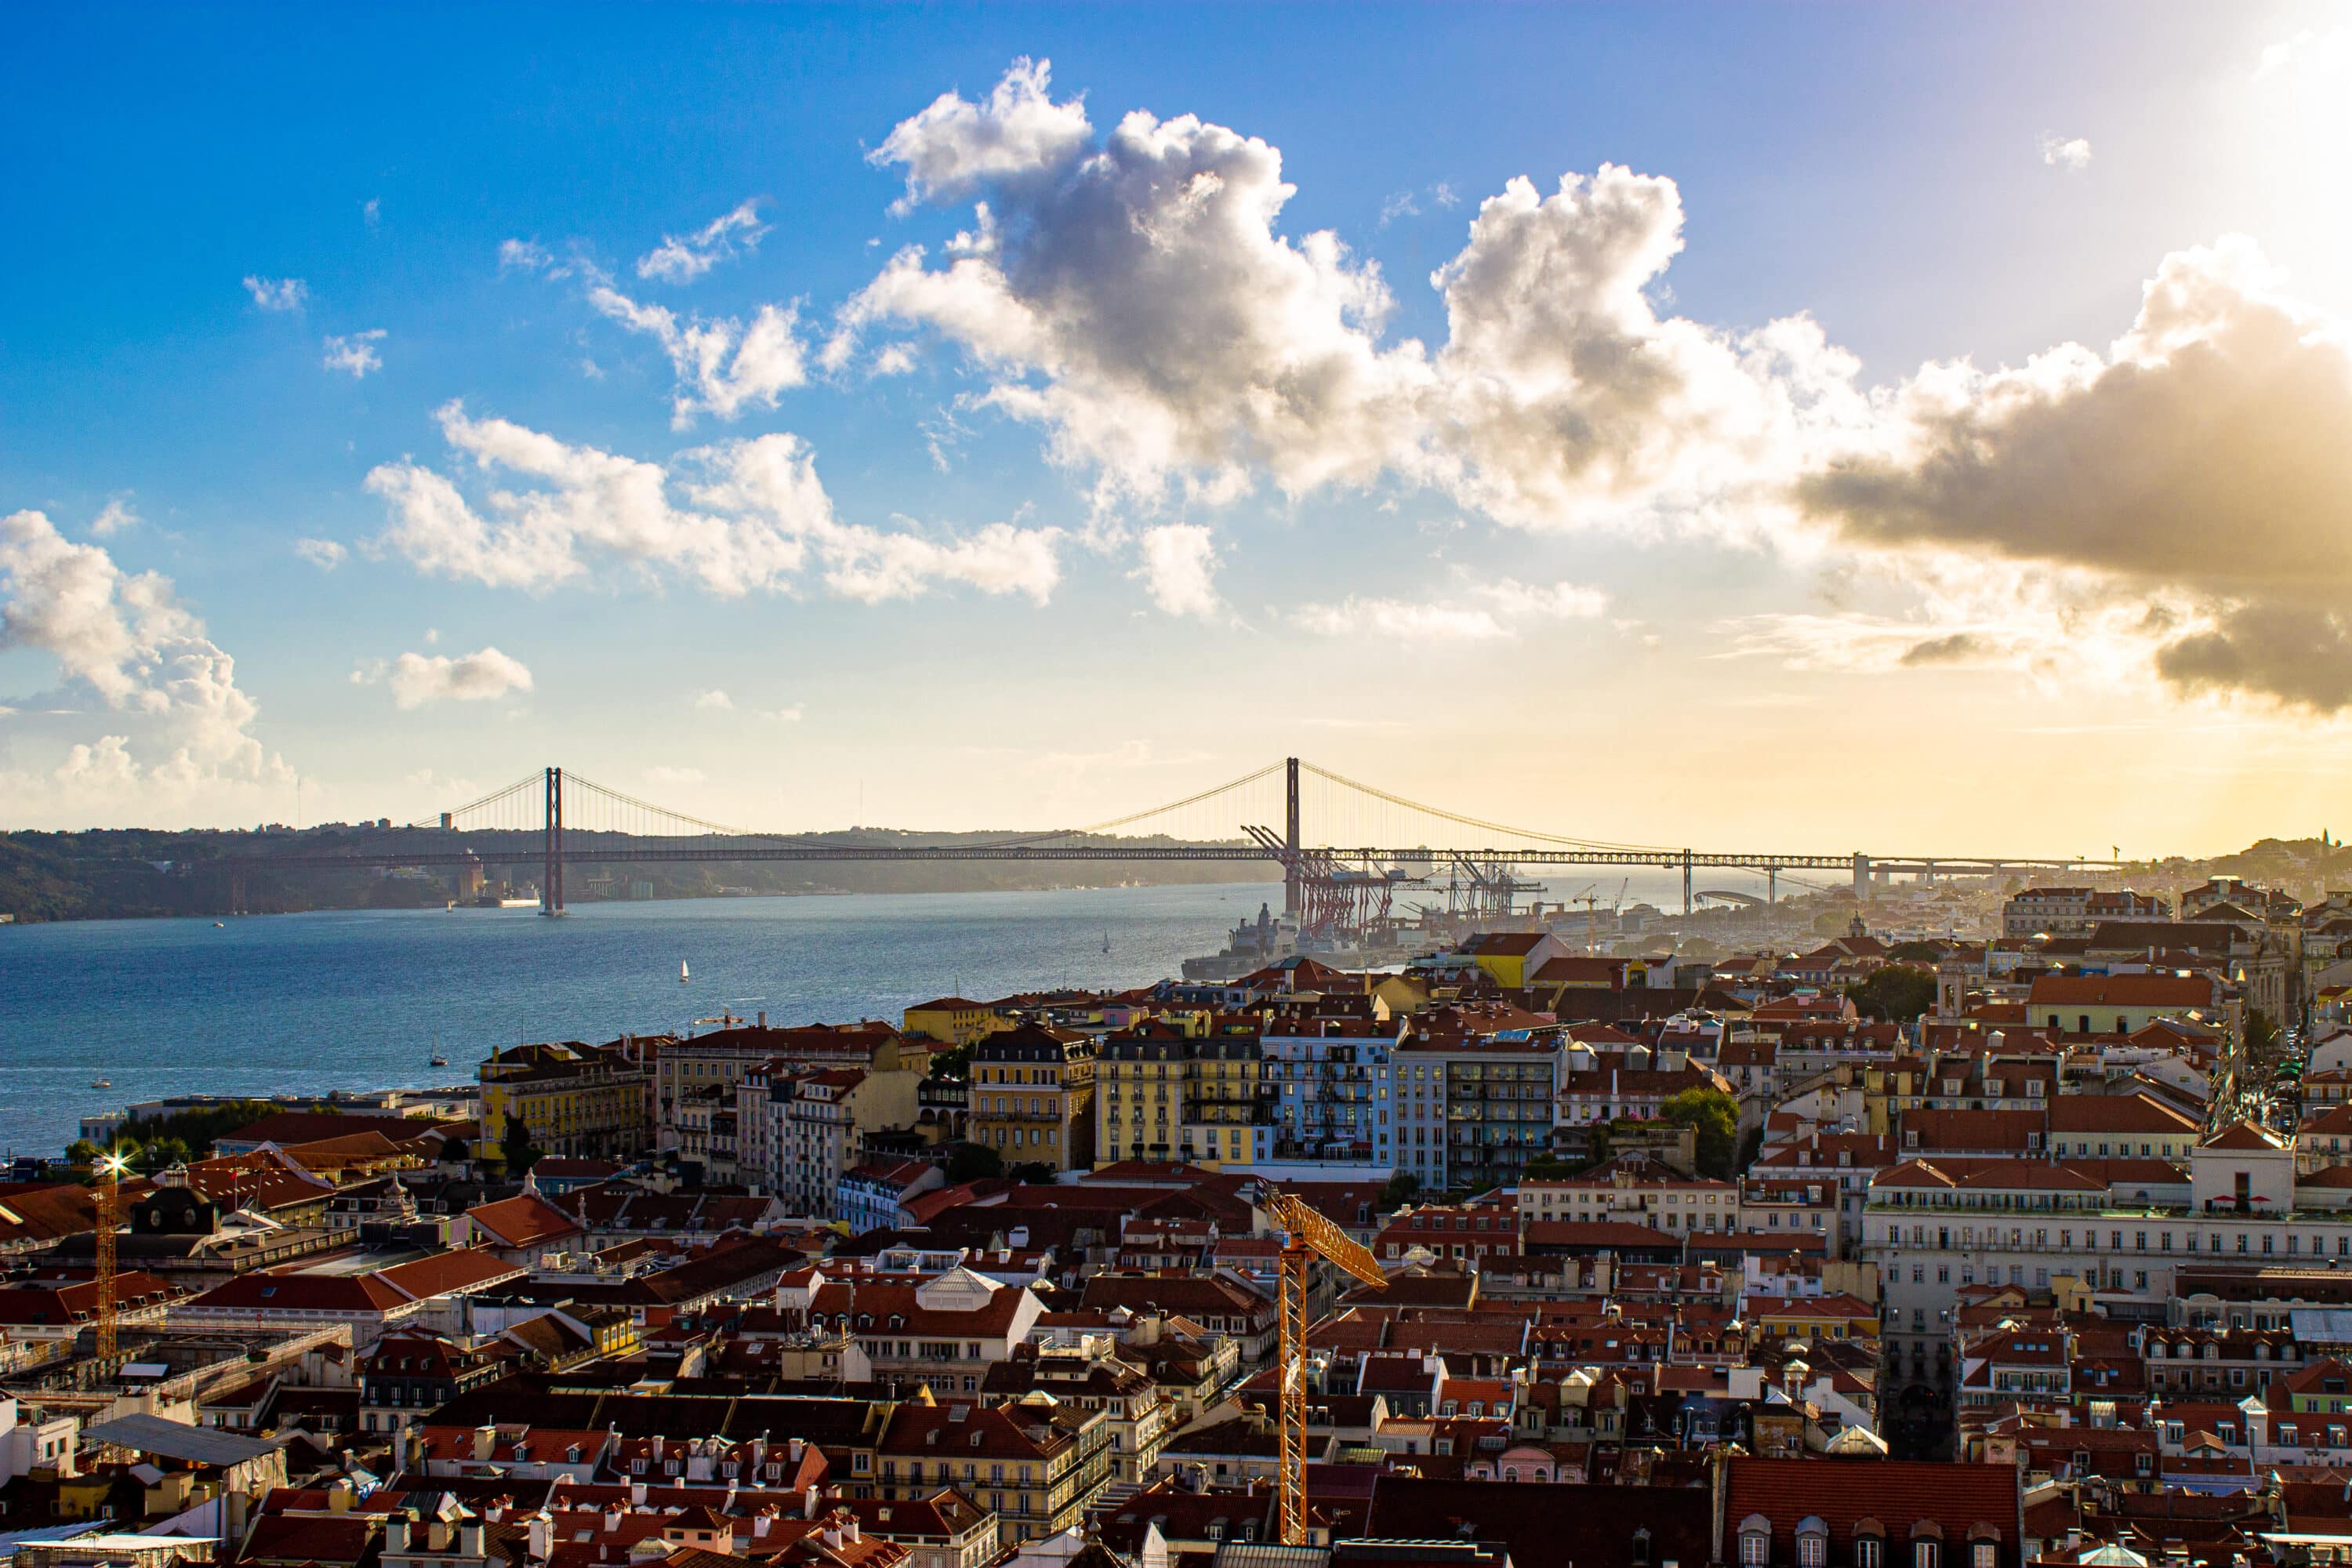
1367, 843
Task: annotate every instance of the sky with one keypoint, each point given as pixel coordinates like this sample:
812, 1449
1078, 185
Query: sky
1920, 429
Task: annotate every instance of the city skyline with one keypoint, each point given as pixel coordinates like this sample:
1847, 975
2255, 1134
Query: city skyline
961, 421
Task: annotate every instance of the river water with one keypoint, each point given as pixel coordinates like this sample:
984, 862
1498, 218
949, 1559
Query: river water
357, 999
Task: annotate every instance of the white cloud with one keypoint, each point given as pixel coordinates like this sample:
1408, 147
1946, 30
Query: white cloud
753, 516
953, 147
371, 211
1399, 204
682, 257
2072, 153
713, 701
278, 293
324, 553
1488, 613
1136, 302
485, 675
722, 365
1443, 195
787, 715
1179, 565
523, 256
175, 722
355, 353
669, 775
113, 518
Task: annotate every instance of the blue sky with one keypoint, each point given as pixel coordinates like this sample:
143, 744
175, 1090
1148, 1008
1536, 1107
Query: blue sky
1409, 593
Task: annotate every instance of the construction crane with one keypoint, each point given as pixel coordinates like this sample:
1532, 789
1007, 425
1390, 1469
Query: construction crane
109, 1193
1307, 1236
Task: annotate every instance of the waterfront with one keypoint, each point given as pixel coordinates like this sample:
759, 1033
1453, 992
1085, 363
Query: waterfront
356, 999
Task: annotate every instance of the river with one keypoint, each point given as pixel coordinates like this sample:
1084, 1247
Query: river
357, 999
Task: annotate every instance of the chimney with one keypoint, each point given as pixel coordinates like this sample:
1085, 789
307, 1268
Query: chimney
612, 1516
808, 1499
469, 1539
637, 1494
541, 1536
396, 1533
657, 1446
338, 1496
760, 1521
486, 1440
763, 1017
796, 1451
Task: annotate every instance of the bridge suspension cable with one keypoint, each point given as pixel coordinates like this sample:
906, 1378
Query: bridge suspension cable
1517, 835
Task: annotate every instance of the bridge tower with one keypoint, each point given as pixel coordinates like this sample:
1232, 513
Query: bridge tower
1860, 878
551, 878
1291, 881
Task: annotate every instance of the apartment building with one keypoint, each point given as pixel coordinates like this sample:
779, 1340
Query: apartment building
1333, 1077
1167, 1094
1472, 1110
1033, 1096
1035, 1463
2119, 1228
722, 1057
813, 1126
2075, 911
1634, 1191
575, 1098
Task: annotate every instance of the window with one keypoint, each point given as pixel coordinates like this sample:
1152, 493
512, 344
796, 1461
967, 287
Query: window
1927, 1553
1754, 1545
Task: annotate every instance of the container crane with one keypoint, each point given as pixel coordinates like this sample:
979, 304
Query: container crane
1307, 1236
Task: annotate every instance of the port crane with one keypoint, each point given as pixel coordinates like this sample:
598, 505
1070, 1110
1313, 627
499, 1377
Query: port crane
1305, 1237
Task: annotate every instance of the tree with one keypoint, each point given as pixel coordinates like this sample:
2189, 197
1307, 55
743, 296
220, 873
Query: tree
1916, 953
455, 1151
973, 1163
1398, 1191
1034, 1171
2262, 1035
951, 1065
81, 1152
1714, 1117
1898, 993
521, 1154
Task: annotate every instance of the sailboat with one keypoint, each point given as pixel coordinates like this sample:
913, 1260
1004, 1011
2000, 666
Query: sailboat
681, 971
437, 1059
1106, 941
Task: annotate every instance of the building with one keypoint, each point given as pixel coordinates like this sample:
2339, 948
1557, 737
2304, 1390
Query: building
953, 1020
1334, 1101
1472, 1110
874, 1195
1034, 1463
1033, 1096
721, 1057
1163, 1094
2118, 1004
571, 1099
2075, 911
815, 1123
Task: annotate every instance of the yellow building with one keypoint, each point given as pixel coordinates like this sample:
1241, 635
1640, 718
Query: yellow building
953, 1020
1033, 1096
1510, 955
1165, 1094
573, 1098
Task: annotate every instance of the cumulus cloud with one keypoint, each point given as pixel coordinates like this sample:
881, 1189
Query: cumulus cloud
680, 259
113, 518
485, 675
2198, 475
1488, 613
1137, 301
786, 715
285, 294
954, 147
722, 365
174, 719
1180, 566
355, 352
2072, 153
523, 256
713, 701
324, 553
736, 518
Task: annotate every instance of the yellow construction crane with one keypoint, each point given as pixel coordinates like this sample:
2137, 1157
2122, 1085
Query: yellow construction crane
1307, 1236
109, 1192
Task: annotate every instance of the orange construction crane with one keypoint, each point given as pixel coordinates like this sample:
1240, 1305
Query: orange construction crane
1307, 1236
109, 1192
